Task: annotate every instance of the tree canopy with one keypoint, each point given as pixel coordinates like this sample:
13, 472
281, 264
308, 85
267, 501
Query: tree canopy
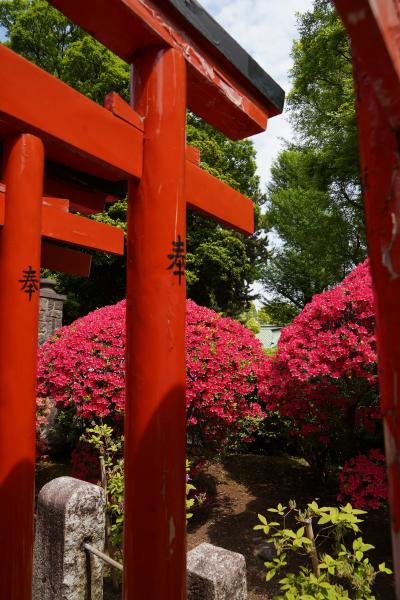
221, 264
314, 197
319, 240
44, 36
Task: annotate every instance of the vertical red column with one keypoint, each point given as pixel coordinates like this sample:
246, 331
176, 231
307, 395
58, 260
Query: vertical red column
155, 522
19, 308
379, 149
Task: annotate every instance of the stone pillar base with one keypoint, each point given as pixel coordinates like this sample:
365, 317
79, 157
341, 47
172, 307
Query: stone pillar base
215, 574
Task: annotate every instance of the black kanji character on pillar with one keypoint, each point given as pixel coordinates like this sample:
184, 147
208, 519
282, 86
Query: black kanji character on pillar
29, 282
178, 258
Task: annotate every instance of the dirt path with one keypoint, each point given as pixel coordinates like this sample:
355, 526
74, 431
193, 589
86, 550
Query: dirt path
245, 485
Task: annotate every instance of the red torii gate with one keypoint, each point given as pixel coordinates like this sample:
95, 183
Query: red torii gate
374, 29
57, 144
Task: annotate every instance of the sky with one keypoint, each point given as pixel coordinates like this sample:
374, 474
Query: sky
266, 30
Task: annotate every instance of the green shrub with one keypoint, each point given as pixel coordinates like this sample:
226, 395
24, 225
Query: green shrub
334, 569
268, 434
253, 325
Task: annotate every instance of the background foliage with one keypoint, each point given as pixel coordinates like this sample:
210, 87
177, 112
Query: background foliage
314, 196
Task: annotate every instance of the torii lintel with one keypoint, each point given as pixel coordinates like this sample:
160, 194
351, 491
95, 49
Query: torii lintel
225, 85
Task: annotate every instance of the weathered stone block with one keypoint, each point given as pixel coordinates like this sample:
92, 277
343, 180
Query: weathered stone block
215, 574
70, 512
50, 311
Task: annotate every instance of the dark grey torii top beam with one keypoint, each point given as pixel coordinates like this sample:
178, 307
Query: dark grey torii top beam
224, 43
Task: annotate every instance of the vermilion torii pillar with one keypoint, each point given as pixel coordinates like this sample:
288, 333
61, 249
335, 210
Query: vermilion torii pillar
374, 29
155, 434
180, 58
24, 165
26, 216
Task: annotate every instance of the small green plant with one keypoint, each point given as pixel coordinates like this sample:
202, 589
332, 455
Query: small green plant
335, 570
271, 352
110, 450
189, 488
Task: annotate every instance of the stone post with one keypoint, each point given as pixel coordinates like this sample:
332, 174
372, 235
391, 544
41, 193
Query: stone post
215, 574
51, 310
70, 512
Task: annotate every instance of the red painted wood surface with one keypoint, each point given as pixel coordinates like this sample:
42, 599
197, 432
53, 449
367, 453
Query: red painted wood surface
374, 28
65, 260
380, 164
19, 250
212, 197
76, 131
80, 231
56, 258
214, 92
59, 203
203, 192
2, 203
155, 439
111, 144
121, 109
85, 201
62, 226
193, 155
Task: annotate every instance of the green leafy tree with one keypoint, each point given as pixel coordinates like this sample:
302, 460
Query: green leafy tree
44, 36
276, 313
221, 264
319, 242
322, 98
314, 198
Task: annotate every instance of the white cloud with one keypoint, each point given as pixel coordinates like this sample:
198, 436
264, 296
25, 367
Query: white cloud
266, 30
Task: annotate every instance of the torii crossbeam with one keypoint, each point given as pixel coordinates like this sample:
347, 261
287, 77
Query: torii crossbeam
374, 29
57, 144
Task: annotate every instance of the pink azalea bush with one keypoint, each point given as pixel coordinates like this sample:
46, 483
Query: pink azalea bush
324, 375
82, 369
362, 481
85, 463
82, 366
222, 359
